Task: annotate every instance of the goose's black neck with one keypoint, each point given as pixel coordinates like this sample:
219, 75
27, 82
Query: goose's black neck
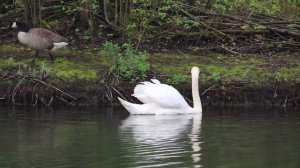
22, 27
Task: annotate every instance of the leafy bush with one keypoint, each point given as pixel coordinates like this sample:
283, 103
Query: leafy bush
129, 64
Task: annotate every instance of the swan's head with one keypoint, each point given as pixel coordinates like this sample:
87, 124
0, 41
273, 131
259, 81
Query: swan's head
195, 70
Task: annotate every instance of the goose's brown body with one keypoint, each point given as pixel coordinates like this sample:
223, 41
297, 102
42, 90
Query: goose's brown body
40, 39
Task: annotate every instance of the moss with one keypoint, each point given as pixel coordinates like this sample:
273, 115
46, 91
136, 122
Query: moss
70, 70
172, 63
250, 71
12, 49
288, 74
250, 75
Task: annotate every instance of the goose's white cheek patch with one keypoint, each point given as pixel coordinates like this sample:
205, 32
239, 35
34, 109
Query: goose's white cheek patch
14, 25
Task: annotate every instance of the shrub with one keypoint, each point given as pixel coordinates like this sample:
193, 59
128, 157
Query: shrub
130, 64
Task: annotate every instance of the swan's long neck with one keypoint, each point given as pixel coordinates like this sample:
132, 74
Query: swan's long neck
195, 92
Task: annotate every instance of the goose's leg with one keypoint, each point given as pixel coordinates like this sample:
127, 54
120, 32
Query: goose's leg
51, 58
36, 55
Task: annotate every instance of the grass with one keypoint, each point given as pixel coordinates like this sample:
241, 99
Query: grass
285, 74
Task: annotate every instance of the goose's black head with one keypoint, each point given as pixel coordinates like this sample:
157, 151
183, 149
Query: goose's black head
21, 26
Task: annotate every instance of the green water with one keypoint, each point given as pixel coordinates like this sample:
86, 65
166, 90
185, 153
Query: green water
108, 137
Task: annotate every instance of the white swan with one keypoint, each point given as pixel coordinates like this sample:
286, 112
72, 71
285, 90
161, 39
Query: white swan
161, 98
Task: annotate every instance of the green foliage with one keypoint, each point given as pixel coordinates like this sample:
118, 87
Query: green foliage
147, 14
74, 7
78, 7
184, 22
177, 79
216, 77
54, 23
260, 27
5, 5
10, 62
83, 35
112, 48
255, 6
129, 64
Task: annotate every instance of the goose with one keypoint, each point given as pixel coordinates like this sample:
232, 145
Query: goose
39, 39
161, 98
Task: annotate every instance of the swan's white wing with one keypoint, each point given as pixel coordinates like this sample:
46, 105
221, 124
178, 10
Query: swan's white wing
155, 81
161, 94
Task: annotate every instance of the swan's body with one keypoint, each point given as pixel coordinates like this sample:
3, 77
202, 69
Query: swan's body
161, 98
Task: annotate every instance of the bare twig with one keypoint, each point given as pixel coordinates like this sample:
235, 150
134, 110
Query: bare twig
117, 92
15, 89
209, 89
62, 99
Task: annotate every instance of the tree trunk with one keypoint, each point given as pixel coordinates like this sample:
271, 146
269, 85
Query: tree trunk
33, 12
84, 15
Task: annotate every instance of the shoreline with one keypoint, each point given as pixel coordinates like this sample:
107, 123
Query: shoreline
81, 77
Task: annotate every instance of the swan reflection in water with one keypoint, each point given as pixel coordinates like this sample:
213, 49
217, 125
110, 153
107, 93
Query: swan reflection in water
161, 140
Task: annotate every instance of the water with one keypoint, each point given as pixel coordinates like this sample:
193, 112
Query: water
108, 137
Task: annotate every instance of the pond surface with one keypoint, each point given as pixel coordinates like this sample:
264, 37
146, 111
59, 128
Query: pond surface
109, 137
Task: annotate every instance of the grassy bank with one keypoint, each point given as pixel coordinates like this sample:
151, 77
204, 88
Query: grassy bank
84, 77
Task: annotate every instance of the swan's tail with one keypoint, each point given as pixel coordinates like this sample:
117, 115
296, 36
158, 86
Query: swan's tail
134, 108
124, 102
128, 106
